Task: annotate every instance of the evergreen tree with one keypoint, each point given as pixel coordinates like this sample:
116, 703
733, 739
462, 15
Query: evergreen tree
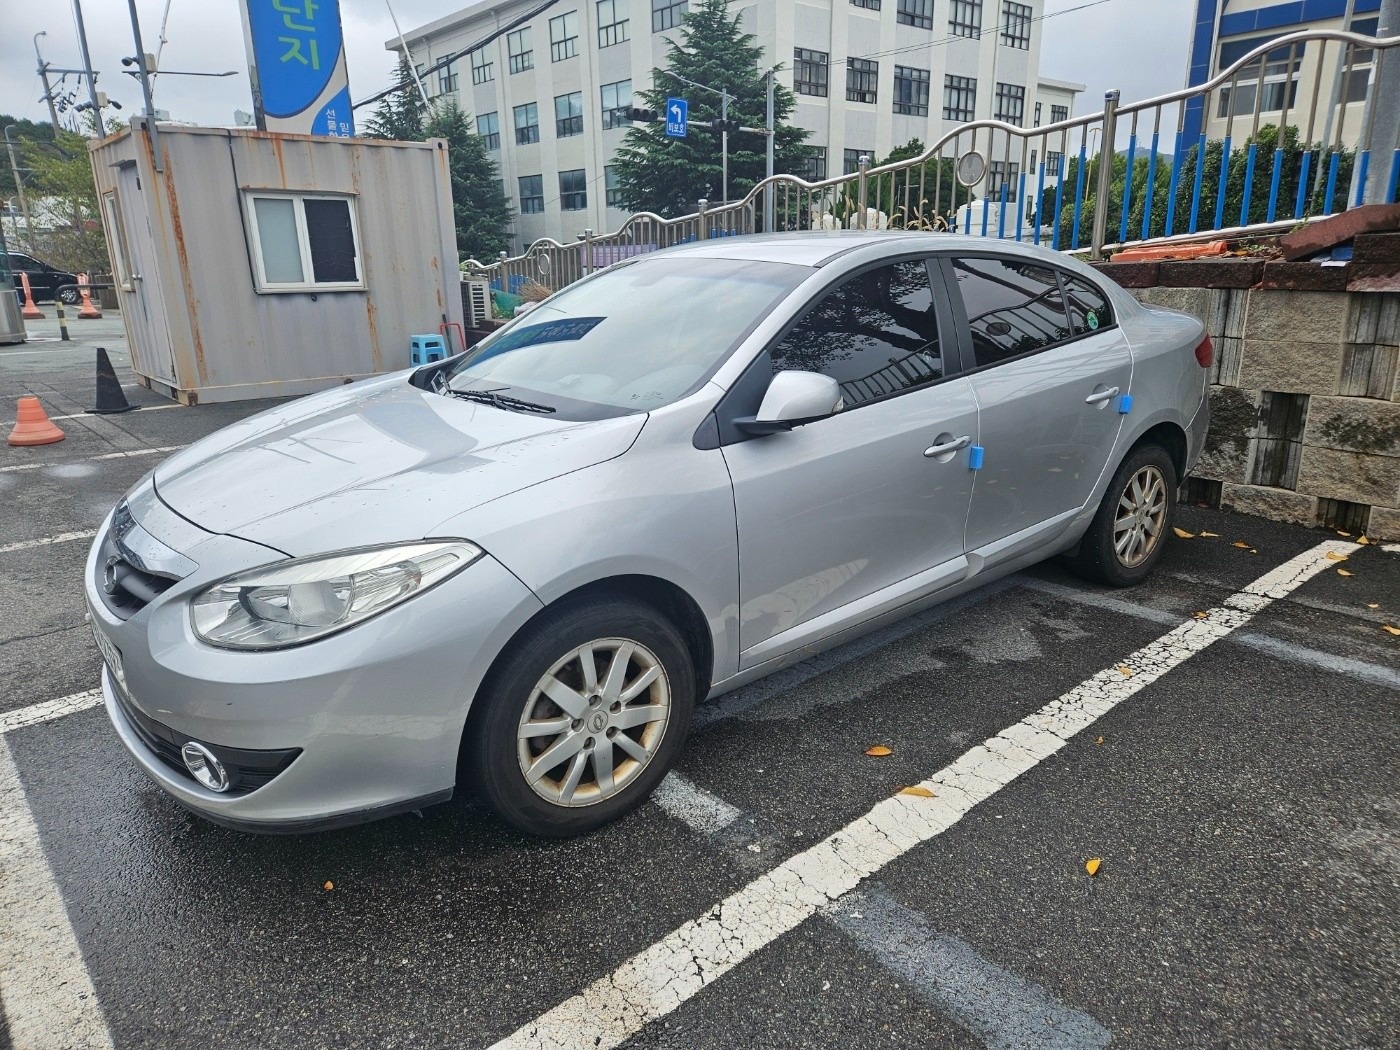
479, 207
668, 176
400, 114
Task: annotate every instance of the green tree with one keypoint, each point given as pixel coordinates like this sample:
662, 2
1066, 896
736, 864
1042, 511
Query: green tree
63, 203
668, 176
479, 207
26, 131
401, 113
919, 197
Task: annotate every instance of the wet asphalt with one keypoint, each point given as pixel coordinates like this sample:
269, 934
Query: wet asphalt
1244, 808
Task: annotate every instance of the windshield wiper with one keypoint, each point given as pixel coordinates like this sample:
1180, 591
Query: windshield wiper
499, 400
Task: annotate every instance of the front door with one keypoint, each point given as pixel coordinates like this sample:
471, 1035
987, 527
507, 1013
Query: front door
843, 516
1052, 368
151, 349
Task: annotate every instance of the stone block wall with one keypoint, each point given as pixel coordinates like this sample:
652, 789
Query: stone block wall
1305, 389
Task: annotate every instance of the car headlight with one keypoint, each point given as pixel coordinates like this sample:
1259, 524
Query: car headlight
297, 601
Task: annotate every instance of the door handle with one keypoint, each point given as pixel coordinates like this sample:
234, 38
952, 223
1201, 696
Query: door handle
1100, 396
947, 447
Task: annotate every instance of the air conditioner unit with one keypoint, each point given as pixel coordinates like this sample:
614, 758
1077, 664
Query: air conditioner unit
476, 301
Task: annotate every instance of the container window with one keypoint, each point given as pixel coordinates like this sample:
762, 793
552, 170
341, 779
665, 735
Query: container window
304, 242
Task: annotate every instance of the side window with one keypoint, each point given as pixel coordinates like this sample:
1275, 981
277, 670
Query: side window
1013, 307
1089, 309
876, 334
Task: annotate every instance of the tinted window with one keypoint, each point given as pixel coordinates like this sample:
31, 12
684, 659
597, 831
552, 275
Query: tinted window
1089, 310
1013, 307
875, 334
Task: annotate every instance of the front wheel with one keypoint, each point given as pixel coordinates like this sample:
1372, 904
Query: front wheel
582, 718
1126, 537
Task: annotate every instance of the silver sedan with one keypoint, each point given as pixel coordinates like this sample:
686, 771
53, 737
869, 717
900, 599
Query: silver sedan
519, 570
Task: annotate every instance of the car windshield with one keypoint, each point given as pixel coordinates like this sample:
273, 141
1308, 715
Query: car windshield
635, 337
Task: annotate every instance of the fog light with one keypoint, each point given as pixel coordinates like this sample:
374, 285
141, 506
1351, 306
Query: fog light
204, 766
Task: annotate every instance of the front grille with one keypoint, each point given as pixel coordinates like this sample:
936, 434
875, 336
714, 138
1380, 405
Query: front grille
248, 769
126, 584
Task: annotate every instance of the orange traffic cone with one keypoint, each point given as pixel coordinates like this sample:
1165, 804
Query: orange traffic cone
31, 311
88, 311
32, 425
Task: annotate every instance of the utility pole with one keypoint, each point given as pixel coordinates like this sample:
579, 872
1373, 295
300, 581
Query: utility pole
1382, 114
724, 144
19, 186
44, 76
407, 58
87, 68
145, 88
771, 133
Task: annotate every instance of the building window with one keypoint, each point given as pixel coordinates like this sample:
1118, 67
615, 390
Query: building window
1058, 113
911, 91
916, 13
612, 22
531, 194
1362, 62
814, 168
869, 5
1001, 173
612, 185
959, 98
573, 190
965, 18
1016, 25
488, 126
851, 160
303, 241
527, 124
563, 36
1011, 103
1053, 160
809, 72
667, 14
1037, 114
1279, 76
522, 57
568, 115
862, 80
617, 104
483, 69
447, 80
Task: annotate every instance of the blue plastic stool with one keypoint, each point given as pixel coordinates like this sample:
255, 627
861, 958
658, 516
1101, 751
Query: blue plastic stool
424, 349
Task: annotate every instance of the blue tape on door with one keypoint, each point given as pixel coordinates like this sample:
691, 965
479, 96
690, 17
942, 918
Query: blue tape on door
974, 457
1125, 404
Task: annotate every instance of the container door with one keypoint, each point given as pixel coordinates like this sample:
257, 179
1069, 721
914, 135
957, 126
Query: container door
151, 349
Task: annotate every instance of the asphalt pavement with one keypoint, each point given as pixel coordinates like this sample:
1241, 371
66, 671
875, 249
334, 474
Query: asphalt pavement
1240, 798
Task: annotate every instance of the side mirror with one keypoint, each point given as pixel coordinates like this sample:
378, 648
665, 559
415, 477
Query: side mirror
794, 398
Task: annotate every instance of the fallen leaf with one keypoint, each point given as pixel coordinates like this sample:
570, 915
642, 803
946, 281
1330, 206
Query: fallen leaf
1099, 740
1200, 615
1346, 534
1334, 556
918, 790
878, 751
1241, 544
328, 886
1389, 629
1125, 671
1345, 572
1373, 605
1092, 866
1212, 535
1363, 541
1183, 534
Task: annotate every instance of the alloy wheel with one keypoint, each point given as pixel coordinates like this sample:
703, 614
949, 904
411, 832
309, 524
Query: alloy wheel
1140, 516
593, 722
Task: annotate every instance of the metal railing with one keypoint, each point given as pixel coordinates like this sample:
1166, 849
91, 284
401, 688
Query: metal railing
1204, 186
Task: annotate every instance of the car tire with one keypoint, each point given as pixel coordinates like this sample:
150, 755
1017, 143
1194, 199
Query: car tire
69, 295
1127, 536
613, 743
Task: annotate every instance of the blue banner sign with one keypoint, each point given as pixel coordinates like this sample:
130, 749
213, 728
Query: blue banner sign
296, 59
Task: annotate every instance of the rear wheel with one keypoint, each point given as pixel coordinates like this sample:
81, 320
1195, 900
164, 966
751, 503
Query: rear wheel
582, 718
1126, 537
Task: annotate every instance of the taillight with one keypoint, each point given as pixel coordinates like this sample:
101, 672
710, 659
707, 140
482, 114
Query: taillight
1205, 353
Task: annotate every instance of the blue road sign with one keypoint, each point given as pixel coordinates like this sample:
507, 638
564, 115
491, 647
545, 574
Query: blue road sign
677, 111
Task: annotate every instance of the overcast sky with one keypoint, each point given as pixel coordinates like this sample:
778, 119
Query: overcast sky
1138, 46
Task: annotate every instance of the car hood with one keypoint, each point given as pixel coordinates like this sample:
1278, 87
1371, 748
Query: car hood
373, 463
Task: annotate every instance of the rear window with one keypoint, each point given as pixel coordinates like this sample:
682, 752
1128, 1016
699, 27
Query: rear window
1089, 309
1013, 307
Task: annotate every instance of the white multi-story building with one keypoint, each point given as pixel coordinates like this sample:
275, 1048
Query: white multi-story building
551, 93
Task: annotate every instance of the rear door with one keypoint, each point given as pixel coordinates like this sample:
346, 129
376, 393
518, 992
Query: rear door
1051, 370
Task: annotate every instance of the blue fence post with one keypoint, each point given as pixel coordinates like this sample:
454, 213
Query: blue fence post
1079, 195
1173, 180
1127, 187
1196, 189
1151, 190
1303, 172
1059, 205
1040, 197
1362, 170
1332, 166
1248, 183
1394, 177
1223, 185
1001, 211
1274, 181
1020, 204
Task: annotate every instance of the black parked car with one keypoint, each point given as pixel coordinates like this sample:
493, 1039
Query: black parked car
47, 282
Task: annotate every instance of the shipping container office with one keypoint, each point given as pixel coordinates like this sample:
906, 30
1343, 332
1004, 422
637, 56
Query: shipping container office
262, 265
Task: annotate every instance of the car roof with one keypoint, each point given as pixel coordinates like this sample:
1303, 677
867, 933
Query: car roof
817, 248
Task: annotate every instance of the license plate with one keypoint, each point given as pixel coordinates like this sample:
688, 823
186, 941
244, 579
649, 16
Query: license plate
112, 656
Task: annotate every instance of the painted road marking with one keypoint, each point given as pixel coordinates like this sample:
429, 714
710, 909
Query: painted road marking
106, 455
1005, 1011
100, 415
62, 537
48, 711
659, 979
47, 995
693, 806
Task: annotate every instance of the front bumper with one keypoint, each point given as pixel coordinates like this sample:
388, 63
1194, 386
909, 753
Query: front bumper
375, 713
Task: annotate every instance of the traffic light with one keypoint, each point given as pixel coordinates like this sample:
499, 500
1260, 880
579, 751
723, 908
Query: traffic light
641, 115
724, 125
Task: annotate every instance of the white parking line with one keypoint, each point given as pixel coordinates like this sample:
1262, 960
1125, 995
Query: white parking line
1005, 1011
692, 805
47, 995
106, 455
62, 537
98, 415
48, 711
659, 979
